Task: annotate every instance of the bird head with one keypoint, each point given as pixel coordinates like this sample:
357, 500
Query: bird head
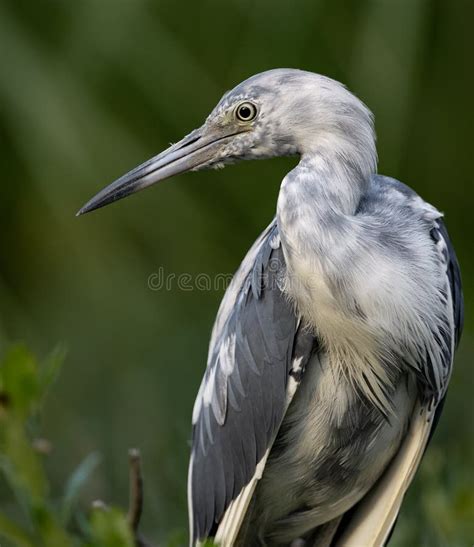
280, 112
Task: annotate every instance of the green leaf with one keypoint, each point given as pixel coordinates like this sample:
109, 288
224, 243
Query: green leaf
21, 464
110, 529
11, 531
76, 482
19, 381
48, 527
50, 368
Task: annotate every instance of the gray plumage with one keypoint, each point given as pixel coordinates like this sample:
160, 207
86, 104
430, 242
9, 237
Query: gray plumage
333, 346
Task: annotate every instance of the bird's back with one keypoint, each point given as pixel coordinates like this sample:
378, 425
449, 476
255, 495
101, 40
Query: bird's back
334, 444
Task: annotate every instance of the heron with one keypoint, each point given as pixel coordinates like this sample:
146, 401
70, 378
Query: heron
333, 346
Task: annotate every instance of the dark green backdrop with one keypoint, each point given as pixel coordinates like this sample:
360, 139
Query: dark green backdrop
89, 89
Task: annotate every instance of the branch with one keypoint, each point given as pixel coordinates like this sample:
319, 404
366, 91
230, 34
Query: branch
135, 504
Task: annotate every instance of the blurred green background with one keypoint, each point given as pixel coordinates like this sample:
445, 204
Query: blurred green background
89, 89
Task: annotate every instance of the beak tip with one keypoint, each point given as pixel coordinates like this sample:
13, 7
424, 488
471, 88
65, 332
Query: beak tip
186, 155
87, 208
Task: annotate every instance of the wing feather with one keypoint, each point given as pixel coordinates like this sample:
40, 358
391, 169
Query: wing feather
245, 392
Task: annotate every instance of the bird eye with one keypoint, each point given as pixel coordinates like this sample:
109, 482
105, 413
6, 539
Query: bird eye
246, 112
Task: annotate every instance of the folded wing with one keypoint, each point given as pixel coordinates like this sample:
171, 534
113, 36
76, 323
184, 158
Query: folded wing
256, 358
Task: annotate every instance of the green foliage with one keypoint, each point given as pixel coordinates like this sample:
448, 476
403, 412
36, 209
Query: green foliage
75, 483
24, 383
110, 529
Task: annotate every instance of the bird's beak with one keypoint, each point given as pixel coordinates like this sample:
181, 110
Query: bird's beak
195, 150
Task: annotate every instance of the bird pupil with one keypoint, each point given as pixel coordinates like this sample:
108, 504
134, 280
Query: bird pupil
245, 112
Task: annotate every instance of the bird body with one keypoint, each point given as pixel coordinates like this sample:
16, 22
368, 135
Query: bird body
333, 345
319, 467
